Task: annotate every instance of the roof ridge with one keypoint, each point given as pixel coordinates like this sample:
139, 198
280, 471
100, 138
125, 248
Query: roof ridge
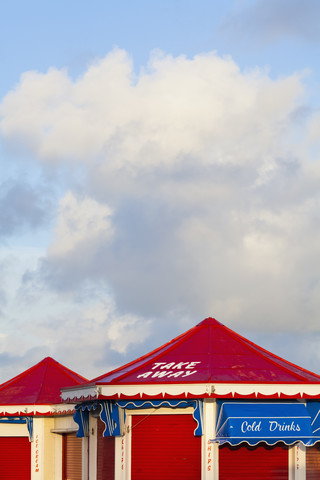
46, 365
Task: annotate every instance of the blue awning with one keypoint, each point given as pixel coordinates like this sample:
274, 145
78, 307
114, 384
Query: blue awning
108, 413
112, 413
269, 422
313, 408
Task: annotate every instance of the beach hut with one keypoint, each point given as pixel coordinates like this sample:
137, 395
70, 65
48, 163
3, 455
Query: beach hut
37, 431
208, 405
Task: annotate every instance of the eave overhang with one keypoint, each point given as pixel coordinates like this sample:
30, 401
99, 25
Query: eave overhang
37, 410
197, 390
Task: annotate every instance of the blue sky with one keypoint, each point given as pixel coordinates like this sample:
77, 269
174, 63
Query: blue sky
159, 164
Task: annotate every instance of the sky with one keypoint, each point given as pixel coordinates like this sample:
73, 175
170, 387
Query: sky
159, 164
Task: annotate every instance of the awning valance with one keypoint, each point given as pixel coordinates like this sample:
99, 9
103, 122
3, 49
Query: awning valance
113, 413
268, 422
107, 411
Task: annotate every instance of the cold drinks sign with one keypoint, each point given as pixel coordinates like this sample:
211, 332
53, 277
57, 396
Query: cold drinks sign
270, 422
265, 427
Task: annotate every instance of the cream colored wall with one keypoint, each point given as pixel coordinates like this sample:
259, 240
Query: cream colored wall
49, 449
13, 430
46, 448
64, 424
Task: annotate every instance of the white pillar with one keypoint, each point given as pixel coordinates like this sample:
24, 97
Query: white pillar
297, 462
210, 451
37, 450
93, 435
85, 458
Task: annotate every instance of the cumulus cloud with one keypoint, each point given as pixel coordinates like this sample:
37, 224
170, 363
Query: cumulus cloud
80, 221
194, 195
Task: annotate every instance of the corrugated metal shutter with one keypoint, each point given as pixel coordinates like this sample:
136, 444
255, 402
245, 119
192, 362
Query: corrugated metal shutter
105, 454
15, 458
164, 447
261, 462
313, 462
72, 457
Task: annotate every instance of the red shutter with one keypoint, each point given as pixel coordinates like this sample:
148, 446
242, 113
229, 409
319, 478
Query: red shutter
164, 447
105, 454
261, 462
72, 457
15, 458
313, 462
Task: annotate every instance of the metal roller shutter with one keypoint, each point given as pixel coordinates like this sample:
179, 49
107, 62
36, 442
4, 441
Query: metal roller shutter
72, 456
15, 458
262, 462
164, 447
105, 454
313, 462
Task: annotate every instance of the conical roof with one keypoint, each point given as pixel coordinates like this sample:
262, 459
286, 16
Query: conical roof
39, 385
210, 359
209, 352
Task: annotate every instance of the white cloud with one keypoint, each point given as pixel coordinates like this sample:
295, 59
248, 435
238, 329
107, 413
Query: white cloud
193, 195
204, 107
80, 222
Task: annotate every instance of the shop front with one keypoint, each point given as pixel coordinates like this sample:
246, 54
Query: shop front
208, 405
37, 431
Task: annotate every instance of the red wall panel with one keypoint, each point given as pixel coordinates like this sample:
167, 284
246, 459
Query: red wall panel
106, 455
15, 458
253, 463
164, 447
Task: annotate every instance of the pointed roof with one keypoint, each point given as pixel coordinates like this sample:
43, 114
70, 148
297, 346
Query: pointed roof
197, 361
208, 352
39, 385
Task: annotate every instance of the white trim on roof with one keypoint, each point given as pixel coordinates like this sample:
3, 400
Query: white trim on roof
58, 409
197, 389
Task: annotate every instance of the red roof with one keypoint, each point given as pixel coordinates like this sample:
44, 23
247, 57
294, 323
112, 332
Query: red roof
208, 353
39, 385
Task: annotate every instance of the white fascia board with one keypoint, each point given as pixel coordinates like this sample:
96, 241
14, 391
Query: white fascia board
22, 410
219, 389
197, 389
155, 390
267, 389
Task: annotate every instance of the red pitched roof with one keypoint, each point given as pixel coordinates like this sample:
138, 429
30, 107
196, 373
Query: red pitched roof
208, 353
39, 385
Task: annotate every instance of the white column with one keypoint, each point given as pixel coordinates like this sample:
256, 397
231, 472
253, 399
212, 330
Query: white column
37, 450
127, 444
121, 449
57, 456
297, 462
85, 458
210, 451
93, 435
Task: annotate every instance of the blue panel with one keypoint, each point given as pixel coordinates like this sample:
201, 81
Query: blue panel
263, 422
110, 417
81, 417
313, 408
